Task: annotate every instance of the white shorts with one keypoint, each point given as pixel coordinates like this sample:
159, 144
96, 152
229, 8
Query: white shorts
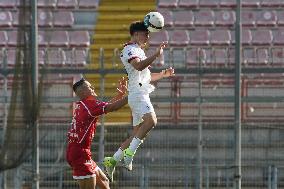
140, 105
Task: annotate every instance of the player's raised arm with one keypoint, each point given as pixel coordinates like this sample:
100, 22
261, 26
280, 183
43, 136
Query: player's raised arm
163, 74
120, 99
141, 65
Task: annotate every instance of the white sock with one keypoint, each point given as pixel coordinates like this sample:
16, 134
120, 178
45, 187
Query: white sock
118, 155
135, 143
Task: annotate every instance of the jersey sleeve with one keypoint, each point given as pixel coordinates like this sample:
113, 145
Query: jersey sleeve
130, 53
96, 108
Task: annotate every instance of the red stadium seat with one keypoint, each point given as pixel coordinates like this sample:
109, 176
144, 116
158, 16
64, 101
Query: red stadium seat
168, 16
220, 37
46, 3
272, 3
179, 38
246, 37
249, 56
249, 18
6, 19
158, 37
188, 3
168, 3
26, 21
89, 4
262, 37
79, 38
41, 57
55, 57
59, 39
277, 56
3, 38
221, 56
76, 57
8, 4
67, 4
262, 56
11, 57
267, 18
280, 18
12, 38
44, 18
183, 18
225, 18
251, 3
227, 3
192, 57
63, 19
207, 57
231, 56
204, 18
43, 40
278, 37
208, 3
199, 37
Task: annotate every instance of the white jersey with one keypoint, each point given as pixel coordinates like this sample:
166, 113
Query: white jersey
139, 81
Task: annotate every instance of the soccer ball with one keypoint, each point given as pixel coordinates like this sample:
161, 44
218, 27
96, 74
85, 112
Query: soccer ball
154, 21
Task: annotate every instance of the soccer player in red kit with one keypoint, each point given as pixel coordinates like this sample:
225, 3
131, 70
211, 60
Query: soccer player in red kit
82, 131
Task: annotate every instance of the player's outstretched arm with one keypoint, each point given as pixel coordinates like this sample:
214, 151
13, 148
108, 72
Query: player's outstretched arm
120, 99
141, 65
163, 74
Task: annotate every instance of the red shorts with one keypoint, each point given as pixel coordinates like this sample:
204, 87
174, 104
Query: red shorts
81, 162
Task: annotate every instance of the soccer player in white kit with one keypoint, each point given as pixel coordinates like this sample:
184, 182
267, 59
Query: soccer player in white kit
139, 87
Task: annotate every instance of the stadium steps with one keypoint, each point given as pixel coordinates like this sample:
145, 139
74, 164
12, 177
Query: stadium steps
111, 32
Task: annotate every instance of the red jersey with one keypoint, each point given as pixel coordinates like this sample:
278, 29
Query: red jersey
83, 126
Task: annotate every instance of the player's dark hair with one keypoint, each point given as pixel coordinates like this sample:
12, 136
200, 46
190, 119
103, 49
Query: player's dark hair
137, 26
78, 84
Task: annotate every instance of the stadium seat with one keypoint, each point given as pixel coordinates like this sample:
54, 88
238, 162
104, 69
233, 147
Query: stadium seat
249, 56
16, 16
208, 3
227, 3
3, 38
59, 39
183, 18
43, 39
207, 57
46, 3
246, 37
199, 37
168, 16
221, 56
278, 37
56, 57
277, 56
225, 18
158, 37
231, 56
12, 38
44, 18
272, 3
262, 56
248, 18
6, 19
188, 3
63, 19
220, 37
11, 57
178, 38
41, 56
76, 57
204, 18
89, 4
8, 4
192, 57
262, 37
168, 3
79, 38
280, 18
67, 4
251, 3
266, 18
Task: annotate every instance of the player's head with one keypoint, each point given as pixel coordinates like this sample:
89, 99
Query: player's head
139, 33
83, 89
